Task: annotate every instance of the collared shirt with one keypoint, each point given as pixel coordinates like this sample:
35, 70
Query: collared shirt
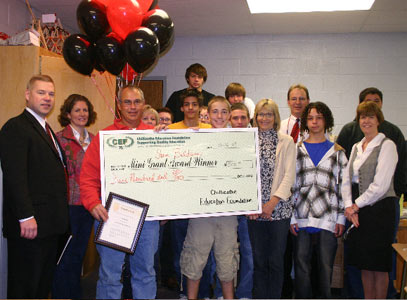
287, 125
77, 136
90, 172
386, 165
43, 122
40, 119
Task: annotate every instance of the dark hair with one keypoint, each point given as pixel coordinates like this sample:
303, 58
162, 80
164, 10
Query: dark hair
235, 88
197, 69
68, 105
321, 108
370, 91
192, 93
166, 110
240, 106
39, 77
369, 108
298, 86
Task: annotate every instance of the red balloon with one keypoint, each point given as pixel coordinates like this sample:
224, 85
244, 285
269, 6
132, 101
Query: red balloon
124, 16
103, 2
115, 36
128, 73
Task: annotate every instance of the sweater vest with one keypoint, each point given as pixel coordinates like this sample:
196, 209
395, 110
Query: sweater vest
367, 171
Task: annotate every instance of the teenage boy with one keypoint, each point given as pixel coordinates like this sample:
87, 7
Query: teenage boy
236, 93
239, 116
165, 116
195, 76
318, 218
217, 233
191, 100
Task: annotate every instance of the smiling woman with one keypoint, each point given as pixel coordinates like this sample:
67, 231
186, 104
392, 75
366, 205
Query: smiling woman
76, 113
370, 202
277, 168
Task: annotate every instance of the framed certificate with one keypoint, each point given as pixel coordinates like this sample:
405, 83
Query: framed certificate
122, 229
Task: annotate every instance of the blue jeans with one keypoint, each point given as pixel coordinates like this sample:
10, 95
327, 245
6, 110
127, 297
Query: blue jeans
143, 281
67, 277
325, 244
268, 241
245, 276
179, 230
245, 283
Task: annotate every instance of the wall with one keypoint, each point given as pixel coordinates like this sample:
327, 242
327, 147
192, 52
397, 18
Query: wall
14, 16
335, 68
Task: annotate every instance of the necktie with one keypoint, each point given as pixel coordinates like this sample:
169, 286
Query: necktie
48, 130
296, 130
56, 147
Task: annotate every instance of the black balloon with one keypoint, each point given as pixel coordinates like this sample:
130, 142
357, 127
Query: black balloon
92, 19
98, 66
161, 24
142, 49
78, 53
153, 5
110, 55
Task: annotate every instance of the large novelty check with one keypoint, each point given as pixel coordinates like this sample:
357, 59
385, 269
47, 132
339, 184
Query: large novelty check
183, 173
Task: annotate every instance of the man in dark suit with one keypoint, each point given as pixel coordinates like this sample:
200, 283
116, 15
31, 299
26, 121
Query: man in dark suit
35, 209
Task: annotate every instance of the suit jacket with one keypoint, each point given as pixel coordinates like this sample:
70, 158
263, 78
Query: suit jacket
34, 181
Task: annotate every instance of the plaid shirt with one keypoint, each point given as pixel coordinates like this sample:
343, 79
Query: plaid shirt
317, 189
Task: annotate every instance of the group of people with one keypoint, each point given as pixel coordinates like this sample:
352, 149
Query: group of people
313, 191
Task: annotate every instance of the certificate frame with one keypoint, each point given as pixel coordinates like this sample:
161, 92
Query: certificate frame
100, 236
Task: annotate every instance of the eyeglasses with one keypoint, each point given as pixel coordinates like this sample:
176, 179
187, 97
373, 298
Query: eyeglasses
265, 115
165, 119
128, 102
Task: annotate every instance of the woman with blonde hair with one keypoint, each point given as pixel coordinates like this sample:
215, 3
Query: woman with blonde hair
150, 116
269, 230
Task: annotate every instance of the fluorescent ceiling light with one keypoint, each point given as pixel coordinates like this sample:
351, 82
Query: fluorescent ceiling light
286, 6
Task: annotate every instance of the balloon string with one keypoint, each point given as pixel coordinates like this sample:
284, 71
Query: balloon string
139, 79
127, 74
109, 84
92, 77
